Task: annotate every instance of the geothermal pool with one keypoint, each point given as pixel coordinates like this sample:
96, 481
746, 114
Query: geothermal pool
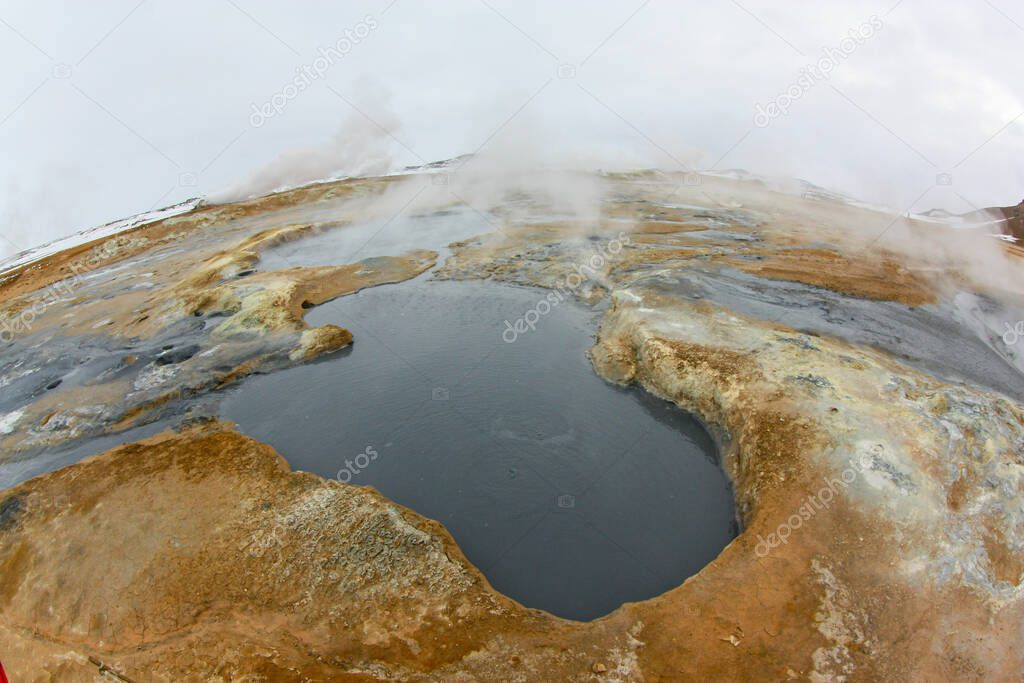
570, 494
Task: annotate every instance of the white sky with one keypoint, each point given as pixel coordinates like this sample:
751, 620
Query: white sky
110, 108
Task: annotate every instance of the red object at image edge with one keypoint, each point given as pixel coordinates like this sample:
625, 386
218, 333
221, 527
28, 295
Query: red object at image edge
3, 676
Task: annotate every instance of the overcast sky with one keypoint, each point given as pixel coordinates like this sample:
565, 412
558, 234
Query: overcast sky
110, 108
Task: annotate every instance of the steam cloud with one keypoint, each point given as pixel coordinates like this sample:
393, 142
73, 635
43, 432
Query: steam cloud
362, 146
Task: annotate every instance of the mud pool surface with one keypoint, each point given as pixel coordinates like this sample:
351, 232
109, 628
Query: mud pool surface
571, 495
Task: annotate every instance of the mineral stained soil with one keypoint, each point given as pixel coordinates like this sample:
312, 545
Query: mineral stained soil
876, 474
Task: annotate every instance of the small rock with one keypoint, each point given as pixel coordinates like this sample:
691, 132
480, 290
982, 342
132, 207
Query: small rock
599, 668
320, 340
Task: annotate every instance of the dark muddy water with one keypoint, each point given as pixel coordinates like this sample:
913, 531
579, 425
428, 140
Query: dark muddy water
570, 494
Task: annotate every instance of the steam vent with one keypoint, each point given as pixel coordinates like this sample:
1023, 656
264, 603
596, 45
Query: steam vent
427, 426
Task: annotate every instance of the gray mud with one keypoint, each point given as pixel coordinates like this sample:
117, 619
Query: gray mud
933, 338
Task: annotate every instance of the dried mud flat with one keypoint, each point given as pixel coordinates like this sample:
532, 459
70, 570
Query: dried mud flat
878, 485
